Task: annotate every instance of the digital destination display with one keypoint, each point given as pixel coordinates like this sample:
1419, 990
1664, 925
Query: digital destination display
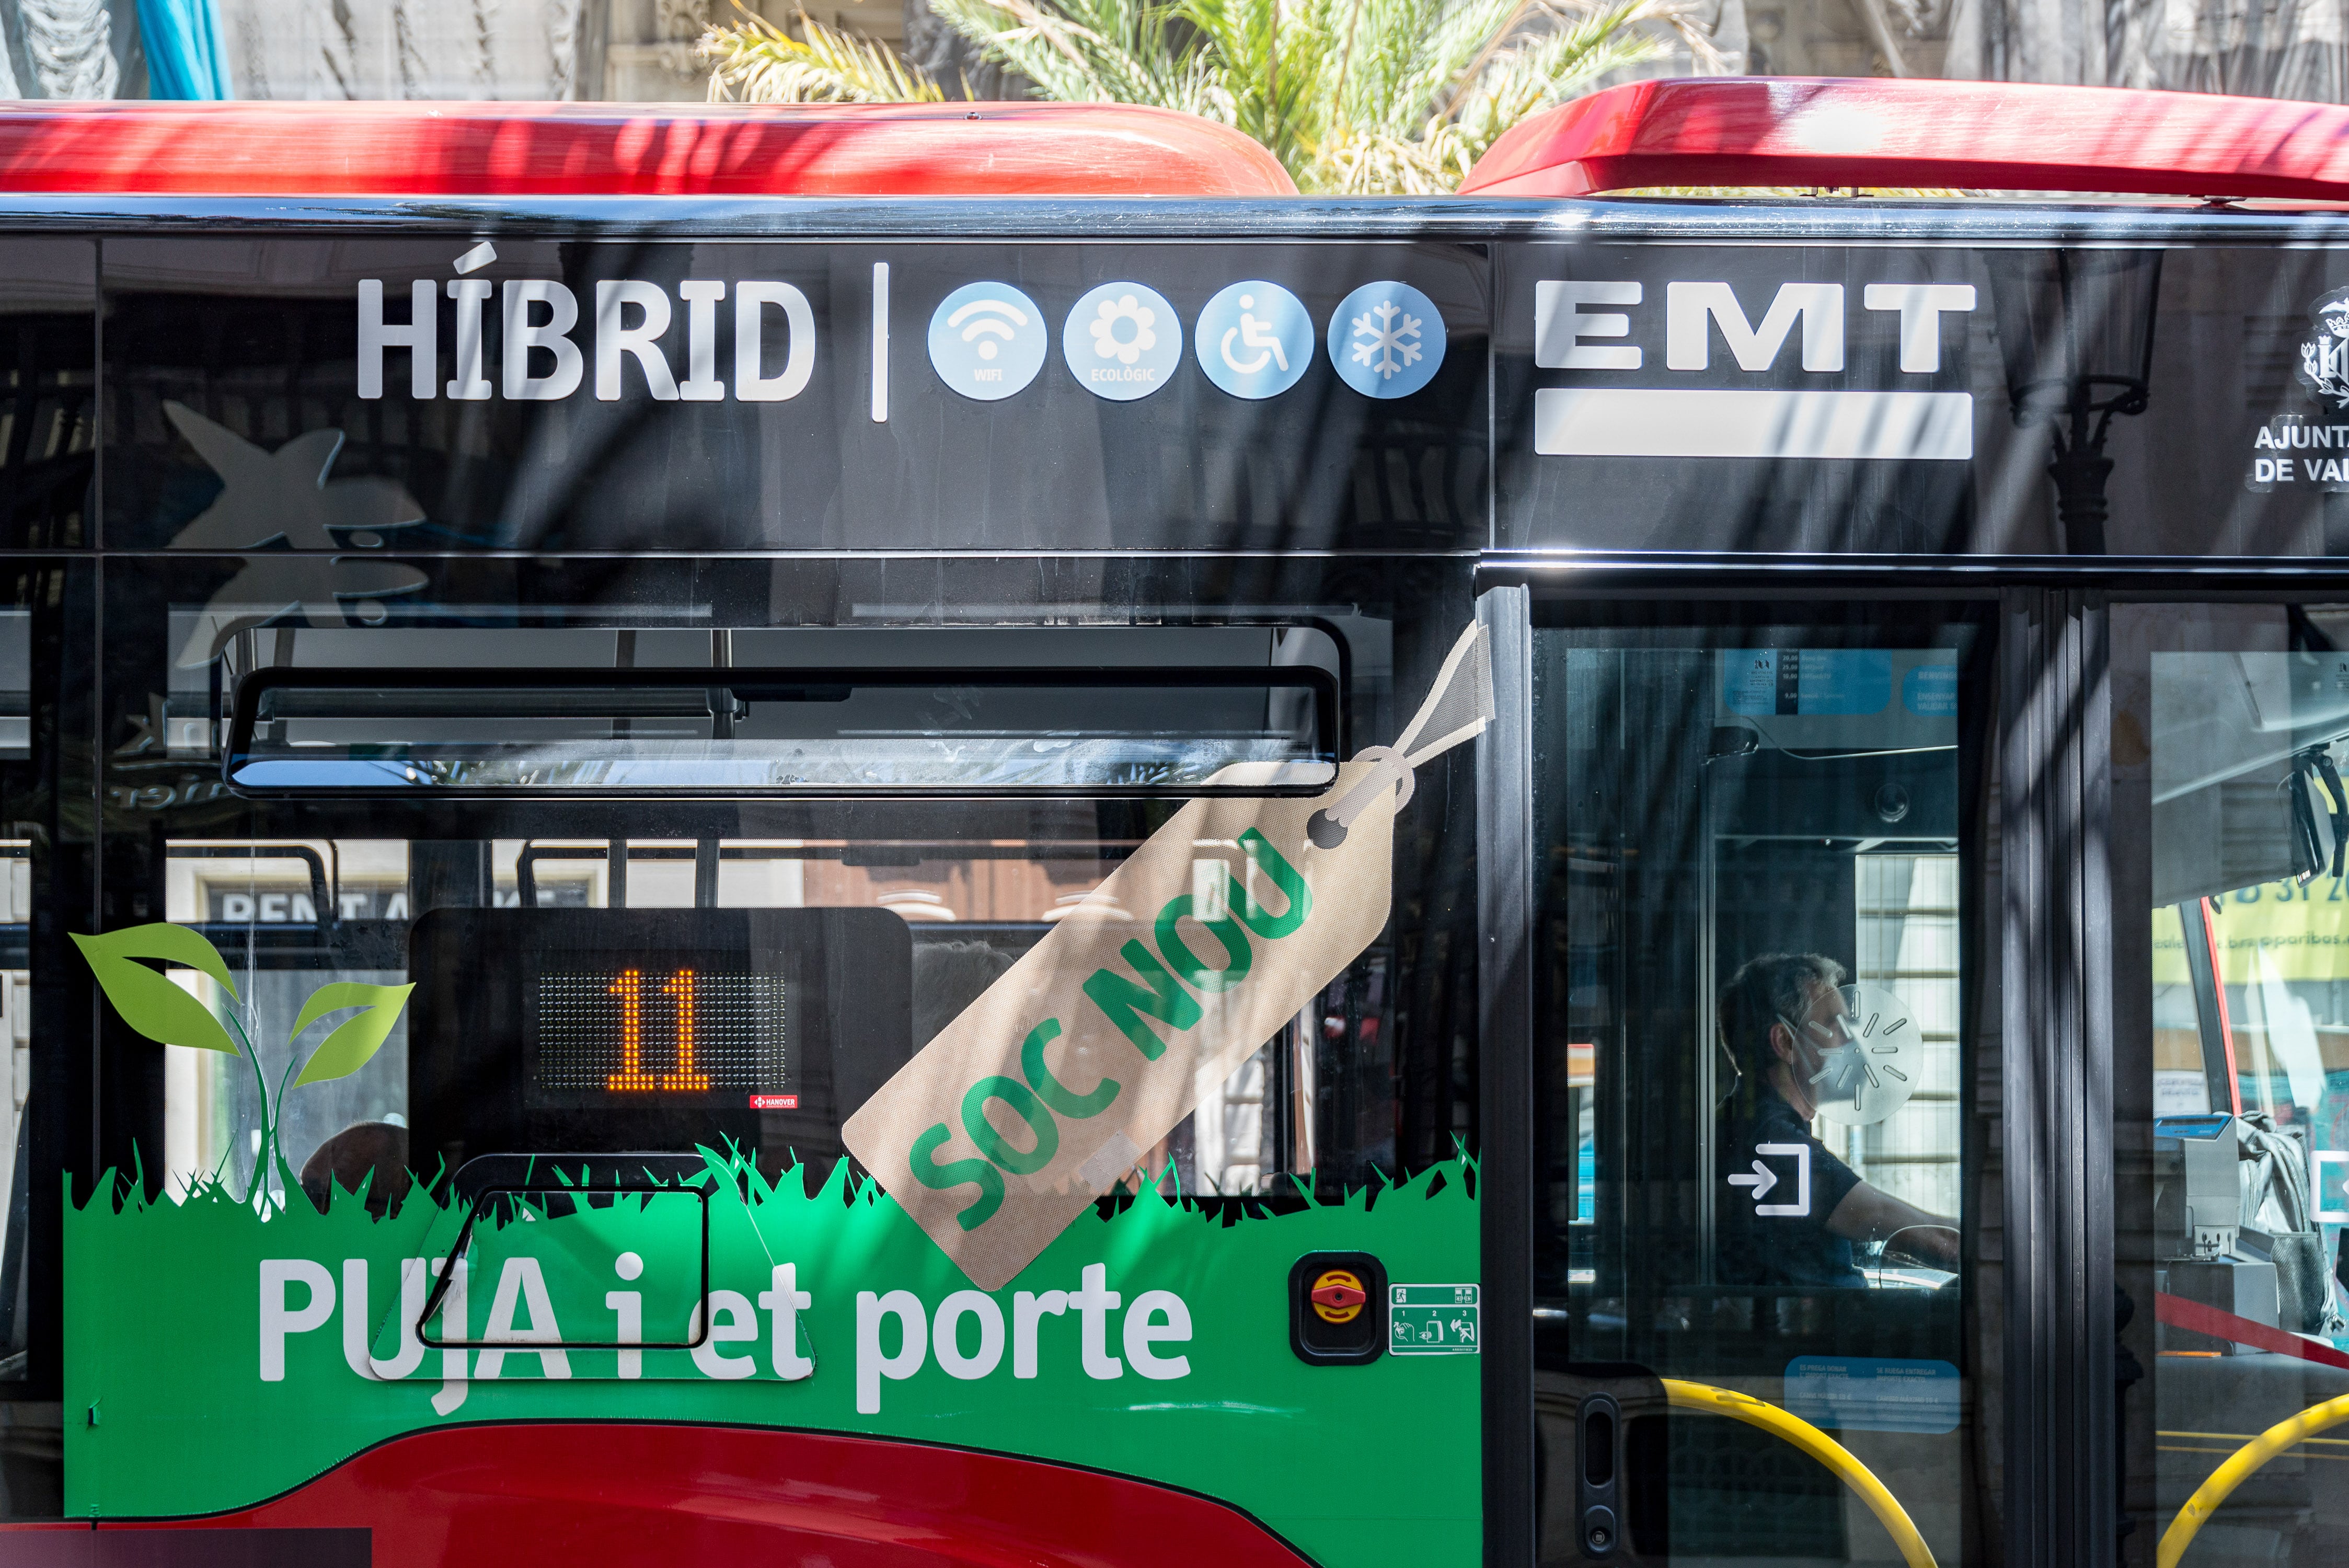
664, 1035
578, 1031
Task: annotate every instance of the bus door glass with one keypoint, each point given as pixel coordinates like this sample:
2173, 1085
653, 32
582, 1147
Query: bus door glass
1759, 1143
2231, 730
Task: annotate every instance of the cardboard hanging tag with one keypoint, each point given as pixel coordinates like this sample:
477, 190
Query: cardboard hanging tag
1223, 925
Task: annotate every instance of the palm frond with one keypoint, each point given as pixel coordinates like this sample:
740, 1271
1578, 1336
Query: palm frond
1431, 163
1354, 97
754, 61
1534, 74
1088, 51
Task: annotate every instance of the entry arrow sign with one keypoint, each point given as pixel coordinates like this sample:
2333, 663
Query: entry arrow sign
1761, 1180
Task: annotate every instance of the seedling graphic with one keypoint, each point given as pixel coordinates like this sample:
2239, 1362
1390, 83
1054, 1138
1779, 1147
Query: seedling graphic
160, 1008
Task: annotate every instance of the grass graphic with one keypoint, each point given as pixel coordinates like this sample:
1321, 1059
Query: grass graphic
163, 1297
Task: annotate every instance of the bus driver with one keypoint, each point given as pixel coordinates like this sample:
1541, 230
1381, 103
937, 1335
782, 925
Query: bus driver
1780, 1014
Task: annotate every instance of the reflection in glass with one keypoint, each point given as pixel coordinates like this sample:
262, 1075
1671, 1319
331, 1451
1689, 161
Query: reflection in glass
1749, 1124
2234, 1206
823, 731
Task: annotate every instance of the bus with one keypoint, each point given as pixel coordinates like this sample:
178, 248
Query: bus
1115, 868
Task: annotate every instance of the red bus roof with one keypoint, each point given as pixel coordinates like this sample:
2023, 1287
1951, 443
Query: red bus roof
1982, 136
626, 149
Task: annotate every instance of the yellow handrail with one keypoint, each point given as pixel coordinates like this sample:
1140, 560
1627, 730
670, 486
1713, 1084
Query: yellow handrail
2237, 1469
1754, 1412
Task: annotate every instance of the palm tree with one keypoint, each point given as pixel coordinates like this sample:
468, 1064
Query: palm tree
754, 61
1354, 97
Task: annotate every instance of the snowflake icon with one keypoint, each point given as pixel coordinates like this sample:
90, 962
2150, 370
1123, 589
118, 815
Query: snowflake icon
1384, 344
1387, 339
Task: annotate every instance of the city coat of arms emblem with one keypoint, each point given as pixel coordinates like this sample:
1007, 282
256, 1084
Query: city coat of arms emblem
2325, 353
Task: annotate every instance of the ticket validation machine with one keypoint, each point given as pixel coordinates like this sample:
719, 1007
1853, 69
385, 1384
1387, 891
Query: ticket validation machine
1752, 842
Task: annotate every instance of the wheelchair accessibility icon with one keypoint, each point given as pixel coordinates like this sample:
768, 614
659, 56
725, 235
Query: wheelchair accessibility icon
1254, 339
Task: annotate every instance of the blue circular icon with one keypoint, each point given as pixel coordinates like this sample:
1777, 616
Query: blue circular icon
987, 341
1386, 340
1122, 342
1254, 339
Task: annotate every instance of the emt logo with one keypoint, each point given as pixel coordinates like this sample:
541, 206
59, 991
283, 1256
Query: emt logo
1579, 324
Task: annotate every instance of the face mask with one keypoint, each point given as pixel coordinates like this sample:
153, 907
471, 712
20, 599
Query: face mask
1833, 1070
1863, 1066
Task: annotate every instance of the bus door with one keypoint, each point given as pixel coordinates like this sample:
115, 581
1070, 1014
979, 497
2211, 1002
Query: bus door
1757, 1141
2232, 1073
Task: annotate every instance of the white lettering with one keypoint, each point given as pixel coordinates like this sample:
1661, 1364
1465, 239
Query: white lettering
2264, 440
522, 1284
751, 299
946, 1330
453, 1319
783, 1302
563, 315
642, 340
1141, 1334
357, 1324
701, 384
628, 1329
913, 1343
628, 1308
1921, 306
1560, 325
420, 337
1028, 1309
1690, 308
279, 1319
731, 1321
1094, 1302
471, 383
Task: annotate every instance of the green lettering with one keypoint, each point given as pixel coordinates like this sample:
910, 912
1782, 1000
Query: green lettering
1188, 963
993, 1144
957, 1174
1266, 859
1124, 1003
1051, 1090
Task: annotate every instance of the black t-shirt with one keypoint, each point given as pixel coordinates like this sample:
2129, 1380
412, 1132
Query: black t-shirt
1763, 1241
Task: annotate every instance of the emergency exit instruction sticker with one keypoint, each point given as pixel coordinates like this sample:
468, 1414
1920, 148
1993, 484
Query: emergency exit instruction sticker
1873, 1394
1433, 1319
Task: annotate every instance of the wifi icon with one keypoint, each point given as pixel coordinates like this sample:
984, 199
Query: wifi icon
998, 316
988, 341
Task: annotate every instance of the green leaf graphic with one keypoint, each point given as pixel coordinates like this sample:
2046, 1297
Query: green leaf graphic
149, 1002
354, 1041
